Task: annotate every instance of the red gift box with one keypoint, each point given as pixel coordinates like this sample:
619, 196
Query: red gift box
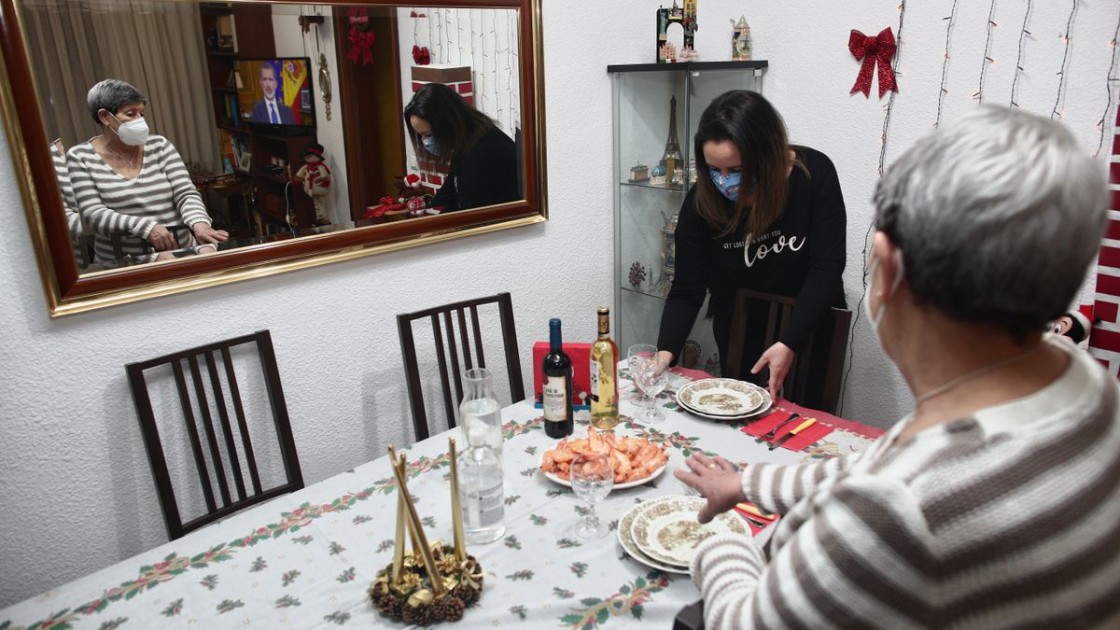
580, 354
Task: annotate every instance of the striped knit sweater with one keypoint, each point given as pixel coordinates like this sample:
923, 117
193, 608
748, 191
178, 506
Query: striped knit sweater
161, 194
1007, 519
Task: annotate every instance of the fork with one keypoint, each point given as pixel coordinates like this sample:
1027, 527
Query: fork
773, 433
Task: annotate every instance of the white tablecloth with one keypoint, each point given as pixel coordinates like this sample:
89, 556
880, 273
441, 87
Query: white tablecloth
305, 560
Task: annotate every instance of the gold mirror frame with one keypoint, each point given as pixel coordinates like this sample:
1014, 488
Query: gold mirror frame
68, 293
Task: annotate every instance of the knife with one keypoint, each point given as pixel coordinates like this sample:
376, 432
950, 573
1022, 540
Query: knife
753, 510
798, 429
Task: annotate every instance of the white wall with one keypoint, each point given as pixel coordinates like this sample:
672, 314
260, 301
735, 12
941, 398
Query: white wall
76, 490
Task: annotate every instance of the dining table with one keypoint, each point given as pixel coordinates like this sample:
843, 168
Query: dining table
306, 559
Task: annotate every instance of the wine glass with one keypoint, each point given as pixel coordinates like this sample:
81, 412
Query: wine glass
651, 377
633, 353
592, 478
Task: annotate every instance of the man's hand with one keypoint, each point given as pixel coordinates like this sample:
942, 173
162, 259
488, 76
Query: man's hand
206, 234
162, 239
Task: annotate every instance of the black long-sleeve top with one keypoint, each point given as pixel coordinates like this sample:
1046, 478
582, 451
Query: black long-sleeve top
801, 255
484, 175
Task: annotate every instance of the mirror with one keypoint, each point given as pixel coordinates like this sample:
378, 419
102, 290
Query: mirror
343, 74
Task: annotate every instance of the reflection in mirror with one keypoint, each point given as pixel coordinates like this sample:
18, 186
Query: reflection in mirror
240, 151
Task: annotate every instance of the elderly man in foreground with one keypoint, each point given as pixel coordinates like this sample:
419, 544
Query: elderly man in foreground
996, 503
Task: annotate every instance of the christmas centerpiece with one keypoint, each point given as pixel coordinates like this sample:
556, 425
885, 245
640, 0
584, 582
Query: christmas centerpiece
410, 200
432, 583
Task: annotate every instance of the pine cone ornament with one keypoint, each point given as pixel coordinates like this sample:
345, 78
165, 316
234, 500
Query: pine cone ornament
451, 609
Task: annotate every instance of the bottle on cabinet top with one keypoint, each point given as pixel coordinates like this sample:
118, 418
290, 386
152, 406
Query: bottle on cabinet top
557, 387
604, 375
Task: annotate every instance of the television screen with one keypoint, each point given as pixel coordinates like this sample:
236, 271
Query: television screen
276, 93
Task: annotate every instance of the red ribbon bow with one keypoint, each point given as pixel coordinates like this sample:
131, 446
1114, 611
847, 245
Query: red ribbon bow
361, 46
421, 56
879, 48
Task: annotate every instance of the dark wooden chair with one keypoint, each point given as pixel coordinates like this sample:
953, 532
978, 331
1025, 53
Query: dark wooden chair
205, 380
814, 378
458, 341
691, 617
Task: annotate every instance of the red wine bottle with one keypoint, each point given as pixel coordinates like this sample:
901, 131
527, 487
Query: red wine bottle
556, 394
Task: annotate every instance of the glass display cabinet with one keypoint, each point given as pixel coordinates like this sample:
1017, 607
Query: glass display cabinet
656, 111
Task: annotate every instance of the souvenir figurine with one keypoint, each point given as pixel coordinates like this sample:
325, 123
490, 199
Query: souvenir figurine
315, 176
740, 40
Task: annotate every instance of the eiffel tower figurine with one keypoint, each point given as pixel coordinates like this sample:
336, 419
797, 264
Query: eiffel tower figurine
671, 161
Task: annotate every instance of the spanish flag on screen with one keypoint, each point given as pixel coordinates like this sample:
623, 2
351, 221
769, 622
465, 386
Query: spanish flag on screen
294, 76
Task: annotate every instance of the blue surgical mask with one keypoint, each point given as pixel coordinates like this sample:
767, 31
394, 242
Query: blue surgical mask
430, 144
727, 185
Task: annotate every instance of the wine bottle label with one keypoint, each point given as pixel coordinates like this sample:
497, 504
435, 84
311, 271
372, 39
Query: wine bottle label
554, 399
594, 380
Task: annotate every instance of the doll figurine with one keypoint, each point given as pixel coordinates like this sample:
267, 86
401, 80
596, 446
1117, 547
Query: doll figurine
315, 176
1074, 326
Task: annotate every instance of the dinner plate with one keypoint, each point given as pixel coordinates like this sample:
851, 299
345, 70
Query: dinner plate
722, 397
667, 530
626, 539
617, 486
754, 415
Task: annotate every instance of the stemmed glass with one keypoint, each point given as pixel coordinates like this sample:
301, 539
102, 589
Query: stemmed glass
651, 376
633, 356
592, 479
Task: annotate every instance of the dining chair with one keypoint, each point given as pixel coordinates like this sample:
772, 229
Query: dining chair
458, 345
207, 397
814, 378
691, 617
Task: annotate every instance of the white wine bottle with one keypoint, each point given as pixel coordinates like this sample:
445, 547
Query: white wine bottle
604, 375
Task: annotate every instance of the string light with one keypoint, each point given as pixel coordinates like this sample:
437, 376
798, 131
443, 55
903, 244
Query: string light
1023, 35
979, 95
1111, 78
882, 167
945, 65
1065, 59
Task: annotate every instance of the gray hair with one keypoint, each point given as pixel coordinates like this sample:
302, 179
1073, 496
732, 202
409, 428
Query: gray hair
998, 214
111, 95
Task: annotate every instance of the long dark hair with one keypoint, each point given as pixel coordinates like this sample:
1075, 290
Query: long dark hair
456, 125
755, 127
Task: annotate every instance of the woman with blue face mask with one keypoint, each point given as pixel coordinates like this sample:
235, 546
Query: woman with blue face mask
131, 186
763, 215
451, 136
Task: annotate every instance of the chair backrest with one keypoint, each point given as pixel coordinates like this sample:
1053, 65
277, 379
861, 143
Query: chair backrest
814, 378
458, 343
204, 380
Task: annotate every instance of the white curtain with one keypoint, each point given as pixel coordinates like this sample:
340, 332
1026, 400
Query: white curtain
156, 46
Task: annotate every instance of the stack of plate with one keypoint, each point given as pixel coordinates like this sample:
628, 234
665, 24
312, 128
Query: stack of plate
664, 533
724, 399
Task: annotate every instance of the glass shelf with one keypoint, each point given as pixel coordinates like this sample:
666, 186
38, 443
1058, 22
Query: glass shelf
677, 188
651, 292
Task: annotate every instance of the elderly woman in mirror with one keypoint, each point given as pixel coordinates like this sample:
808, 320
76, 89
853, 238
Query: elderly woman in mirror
996, 502
129, 182
451, 135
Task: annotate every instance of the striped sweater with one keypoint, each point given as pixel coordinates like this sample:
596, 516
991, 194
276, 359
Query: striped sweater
1007, 519
161, 194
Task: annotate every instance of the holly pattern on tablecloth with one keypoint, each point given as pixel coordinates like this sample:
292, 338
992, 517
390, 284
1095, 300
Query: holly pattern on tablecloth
511, 542
335, 548
568, 543
385, 544
346, 576
173, 609
210, 581
338, 617
113, 624
362, 518
579, 568
519, 611
562, 593
537, 519
229, 604
523, 574
289, 577
303, 540
513, 428
627, 601
260, 564
686, 444
287, 601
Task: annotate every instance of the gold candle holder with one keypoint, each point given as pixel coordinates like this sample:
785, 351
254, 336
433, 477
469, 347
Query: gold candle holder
434, 582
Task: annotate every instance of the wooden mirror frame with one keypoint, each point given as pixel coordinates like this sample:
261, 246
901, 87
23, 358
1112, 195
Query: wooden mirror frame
68, 293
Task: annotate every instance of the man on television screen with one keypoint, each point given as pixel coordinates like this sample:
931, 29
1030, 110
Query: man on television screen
271, 109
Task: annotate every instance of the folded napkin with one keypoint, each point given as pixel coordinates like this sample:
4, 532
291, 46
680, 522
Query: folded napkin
807, 436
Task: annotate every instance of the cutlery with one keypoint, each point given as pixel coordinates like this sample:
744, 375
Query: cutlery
753, 509
798, 429
774, 432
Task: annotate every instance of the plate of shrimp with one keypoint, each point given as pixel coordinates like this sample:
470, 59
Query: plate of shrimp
635, 460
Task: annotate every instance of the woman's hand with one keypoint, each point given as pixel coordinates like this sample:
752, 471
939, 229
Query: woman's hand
206, 234
779, 357
162, 239
717, 480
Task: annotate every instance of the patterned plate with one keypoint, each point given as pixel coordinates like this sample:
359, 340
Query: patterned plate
667, 531
626, 539
723, 398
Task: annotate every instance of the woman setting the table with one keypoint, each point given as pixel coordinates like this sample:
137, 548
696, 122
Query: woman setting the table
763, 215
997, 501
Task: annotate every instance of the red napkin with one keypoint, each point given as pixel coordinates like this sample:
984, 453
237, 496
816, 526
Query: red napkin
807, 436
